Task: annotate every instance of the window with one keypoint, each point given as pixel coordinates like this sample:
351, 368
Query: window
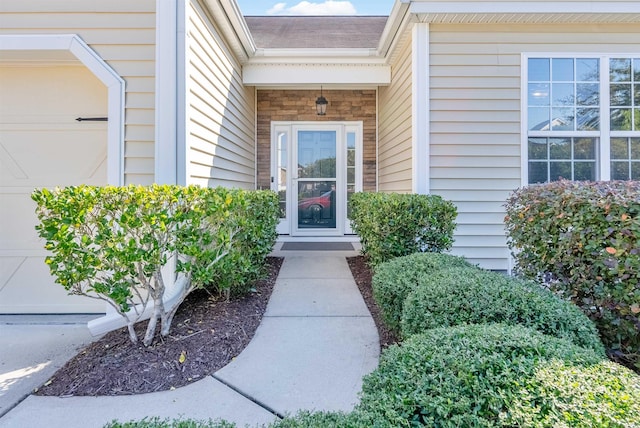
583, 123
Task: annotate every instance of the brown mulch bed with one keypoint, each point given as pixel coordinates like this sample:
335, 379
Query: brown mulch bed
362, 274
207, 332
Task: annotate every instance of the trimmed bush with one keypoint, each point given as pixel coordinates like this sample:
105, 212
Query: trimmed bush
170, 423
462, 296
392, 225
393, 280
307, 419
255, 218
583, 241
496, 375
112, 243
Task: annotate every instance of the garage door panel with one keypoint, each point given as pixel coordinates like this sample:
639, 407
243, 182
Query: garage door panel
42, 145
8, 267
32, 278
58, 160
18, 220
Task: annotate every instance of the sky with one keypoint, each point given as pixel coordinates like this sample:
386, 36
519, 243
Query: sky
315, 7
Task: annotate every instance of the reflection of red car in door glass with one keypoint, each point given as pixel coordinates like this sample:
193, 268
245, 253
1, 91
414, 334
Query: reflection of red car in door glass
316, 207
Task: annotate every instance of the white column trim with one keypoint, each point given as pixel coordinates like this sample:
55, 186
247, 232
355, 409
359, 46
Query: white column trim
524, 111
103, 71
166, 162
604, 142
420, 95
182, 156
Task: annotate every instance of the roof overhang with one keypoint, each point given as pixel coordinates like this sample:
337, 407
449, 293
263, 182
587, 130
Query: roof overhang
234, 27
524, 12
313, 67
370, 67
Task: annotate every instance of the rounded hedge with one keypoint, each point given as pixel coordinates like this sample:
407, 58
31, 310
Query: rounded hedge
461, 296
392, 224
394, 279
498, 375
306, 419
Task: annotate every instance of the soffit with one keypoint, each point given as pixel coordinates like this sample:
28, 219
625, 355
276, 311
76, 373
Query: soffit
529, 18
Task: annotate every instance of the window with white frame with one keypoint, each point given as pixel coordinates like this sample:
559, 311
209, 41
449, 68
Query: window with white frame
583, 118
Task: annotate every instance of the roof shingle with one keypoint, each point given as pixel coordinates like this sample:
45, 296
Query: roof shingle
316, 32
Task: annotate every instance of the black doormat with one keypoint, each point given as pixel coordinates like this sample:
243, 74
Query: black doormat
317, 246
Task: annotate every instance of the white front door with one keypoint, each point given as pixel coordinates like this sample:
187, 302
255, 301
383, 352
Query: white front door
316, 167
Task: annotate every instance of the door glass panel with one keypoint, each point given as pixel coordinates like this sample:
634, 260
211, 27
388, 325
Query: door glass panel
281, 172
317, 179
351, 168
317, 204
316, 154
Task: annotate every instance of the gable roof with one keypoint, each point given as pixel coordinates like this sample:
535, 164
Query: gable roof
316, 32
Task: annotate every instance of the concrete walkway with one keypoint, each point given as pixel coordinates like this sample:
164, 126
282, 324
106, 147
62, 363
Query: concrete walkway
316, 341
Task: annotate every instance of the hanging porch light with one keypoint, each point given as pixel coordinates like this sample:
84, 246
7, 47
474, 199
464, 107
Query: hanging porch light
321, 104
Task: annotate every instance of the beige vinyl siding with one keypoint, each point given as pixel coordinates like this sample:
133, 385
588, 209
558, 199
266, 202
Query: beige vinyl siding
475, 117
220, 110
395, 131
122, 32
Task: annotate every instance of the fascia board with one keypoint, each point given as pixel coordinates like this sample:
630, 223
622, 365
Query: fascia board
319, 60
315, 53
234, 27
395, 24
239, 25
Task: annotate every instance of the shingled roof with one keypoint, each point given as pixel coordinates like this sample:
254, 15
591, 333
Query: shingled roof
311, 32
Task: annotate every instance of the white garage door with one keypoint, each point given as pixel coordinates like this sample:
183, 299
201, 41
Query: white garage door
42, 145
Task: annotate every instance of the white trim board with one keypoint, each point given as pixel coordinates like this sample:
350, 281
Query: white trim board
267, 75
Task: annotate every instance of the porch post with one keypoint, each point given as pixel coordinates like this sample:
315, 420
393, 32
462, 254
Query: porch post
166, 162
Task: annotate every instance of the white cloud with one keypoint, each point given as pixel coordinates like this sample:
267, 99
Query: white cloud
328, 7
277, 9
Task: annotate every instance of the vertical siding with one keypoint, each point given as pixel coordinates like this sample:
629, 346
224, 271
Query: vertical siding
220, 110
475, 118
395, 132
122, 32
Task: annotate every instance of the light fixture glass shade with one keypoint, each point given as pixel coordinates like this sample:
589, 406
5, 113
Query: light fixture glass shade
321, 105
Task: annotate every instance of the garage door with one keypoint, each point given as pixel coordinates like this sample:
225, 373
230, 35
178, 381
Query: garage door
42, 145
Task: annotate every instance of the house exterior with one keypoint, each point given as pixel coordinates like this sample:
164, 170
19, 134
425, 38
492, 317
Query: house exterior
465, 99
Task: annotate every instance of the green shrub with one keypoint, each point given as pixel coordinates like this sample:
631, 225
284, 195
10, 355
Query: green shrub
496, 375
392, 225
583, 241
462, 296
112, 243
170, 423
307, 419
255, 218
393, 280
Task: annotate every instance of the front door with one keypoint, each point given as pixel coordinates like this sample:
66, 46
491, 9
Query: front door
316, 167
315, 181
